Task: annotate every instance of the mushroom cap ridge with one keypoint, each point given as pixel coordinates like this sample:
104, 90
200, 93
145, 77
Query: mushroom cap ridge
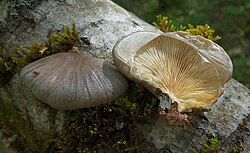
72, 80
213, 66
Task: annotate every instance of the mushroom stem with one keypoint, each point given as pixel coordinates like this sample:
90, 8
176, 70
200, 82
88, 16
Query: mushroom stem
165, 101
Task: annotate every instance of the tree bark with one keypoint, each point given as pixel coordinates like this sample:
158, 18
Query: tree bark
101, 23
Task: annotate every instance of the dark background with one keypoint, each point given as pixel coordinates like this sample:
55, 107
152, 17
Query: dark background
229, 18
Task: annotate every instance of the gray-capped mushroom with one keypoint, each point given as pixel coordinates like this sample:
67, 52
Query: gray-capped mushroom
189, 70
73, 80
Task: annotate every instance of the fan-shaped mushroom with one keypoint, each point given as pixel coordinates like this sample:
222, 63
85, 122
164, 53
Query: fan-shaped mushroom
73, 80
190, 70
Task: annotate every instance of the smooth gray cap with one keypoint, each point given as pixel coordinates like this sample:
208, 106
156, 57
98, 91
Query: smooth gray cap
72, 80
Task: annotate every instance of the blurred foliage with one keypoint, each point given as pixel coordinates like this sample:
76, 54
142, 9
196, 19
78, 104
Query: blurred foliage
166, 25
229, 18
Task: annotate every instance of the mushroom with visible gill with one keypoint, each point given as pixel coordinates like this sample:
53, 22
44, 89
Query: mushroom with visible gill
73, 80
185, 72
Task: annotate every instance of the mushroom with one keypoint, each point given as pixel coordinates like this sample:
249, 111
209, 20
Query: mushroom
73, 80
176, 67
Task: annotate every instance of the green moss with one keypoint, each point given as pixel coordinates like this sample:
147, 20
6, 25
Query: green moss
211, 146
63, 41
166, 25
238, 149
111, 127
27, 54
11, 61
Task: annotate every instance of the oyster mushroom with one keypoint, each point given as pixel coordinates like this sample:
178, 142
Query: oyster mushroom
73, 80
176, 67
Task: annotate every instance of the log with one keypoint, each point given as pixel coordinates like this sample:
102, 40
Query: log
101, 23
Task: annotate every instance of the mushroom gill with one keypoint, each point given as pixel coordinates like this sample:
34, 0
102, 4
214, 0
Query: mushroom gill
73, 80
177, 70
189, 70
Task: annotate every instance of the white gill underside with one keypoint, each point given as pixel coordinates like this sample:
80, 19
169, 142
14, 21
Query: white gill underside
178, 70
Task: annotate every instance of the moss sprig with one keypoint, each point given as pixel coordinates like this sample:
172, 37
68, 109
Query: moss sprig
63, 41
27, 54
203, 30
211, 146
166, 25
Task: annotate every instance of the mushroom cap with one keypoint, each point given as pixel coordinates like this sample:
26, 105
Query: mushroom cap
191, 70
73, 80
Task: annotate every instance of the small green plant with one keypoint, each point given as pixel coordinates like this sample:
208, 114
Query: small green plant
166, 25
211, 146
238, 149
203, 30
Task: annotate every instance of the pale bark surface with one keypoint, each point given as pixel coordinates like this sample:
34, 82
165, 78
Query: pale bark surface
101, 23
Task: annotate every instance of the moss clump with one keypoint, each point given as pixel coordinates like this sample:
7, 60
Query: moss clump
211, 146
63, 41
21, 56
28, 54
109, 128
166, 25
57, 42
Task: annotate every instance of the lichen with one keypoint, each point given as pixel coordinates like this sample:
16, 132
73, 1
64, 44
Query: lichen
166, 25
